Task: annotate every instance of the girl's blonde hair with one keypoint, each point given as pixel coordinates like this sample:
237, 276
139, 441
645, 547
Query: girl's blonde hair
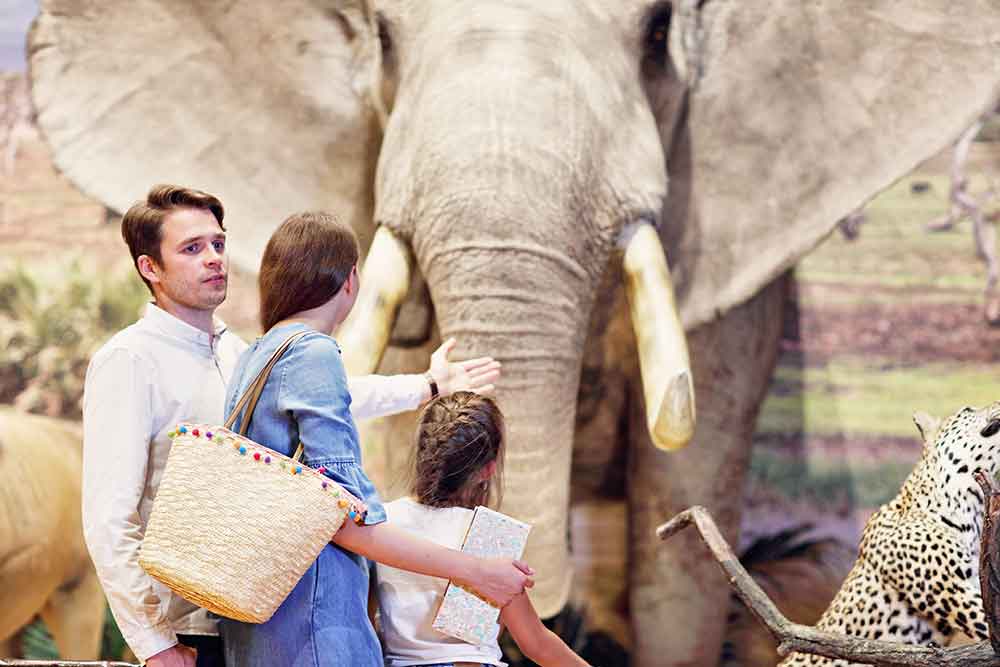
457, 437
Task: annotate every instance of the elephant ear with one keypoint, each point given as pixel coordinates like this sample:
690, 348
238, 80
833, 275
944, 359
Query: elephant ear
265, 104
799, 112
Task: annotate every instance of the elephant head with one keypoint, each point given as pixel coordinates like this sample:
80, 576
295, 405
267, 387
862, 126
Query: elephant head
508, 153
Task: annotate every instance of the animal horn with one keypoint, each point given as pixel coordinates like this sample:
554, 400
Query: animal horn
667, 383
364, 335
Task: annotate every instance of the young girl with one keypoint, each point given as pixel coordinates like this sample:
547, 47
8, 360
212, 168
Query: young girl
459, 461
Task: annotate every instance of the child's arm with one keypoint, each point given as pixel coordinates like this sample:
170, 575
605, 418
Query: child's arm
496, 579
535, 640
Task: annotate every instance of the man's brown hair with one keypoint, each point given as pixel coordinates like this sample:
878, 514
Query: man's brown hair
457, 437
306, 262
143, 222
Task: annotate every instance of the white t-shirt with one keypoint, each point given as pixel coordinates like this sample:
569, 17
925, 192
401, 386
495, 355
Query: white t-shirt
409, 601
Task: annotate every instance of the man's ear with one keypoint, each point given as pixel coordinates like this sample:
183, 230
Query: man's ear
148, 268
351, 284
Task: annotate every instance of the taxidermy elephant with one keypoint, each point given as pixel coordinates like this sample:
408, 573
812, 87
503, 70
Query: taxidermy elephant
518, 170
45, 569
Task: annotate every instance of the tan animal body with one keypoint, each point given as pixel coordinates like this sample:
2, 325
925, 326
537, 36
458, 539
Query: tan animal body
916, 579
44, 565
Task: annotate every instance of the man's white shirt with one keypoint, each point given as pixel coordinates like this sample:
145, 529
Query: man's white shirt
147, 378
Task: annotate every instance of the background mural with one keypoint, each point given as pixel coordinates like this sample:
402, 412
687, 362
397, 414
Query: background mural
886, 317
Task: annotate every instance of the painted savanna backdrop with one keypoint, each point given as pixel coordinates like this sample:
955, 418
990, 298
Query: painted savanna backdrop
884, 318
862, 348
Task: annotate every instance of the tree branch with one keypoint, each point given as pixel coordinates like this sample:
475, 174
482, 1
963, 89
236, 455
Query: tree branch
796, 637
962, 204
989, 557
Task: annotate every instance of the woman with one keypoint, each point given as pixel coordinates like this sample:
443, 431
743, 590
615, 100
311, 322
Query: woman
308, 283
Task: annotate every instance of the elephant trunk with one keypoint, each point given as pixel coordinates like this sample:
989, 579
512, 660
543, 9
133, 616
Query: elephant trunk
526, 305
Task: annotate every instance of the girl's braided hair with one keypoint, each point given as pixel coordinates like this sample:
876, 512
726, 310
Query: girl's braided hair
457, 437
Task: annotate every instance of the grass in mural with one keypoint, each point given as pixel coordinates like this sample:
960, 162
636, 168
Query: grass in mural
865, 399
896, 251
820, 294
830, 482
970, 282
37, 644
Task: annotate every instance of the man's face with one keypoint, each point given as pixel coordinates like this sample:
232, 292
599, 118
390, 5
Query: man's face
194, 270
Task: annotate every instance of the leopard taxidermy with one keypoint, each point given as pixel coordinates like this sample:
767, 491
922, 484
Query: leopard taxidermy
916, 578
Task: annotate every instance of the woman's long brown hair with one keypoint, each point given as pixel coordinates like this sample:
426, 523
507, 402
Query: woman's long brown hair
306, 262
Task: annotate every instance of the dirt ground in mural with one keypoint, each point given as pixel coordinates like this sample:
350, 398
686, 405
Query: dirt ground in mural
909, 332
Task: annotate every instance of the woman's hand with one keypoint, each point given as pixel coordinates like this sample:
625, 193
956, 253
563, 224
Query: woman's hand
496, 579
478, 375
499, 579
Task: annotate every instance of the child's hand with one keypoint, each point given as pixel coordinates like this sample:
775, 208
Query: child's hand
499, 580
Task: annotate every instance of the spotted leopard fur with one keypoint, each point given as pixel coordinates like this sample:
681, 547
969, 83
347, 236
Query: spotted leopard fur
916, 578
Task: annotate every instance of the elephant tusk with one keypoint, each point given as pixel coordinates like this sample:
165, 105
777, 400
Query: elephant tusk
667, 383
364, 335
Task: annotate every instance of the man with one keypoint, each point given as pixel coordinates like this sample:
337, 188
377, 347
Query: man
170, 366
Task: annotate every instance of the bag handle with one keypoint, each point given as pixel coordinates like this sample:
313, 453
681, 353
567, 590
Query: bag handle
252, 393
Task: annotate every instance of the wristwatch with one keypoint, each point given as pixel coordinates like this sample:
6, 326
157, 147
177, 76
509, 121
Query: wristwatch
433, 383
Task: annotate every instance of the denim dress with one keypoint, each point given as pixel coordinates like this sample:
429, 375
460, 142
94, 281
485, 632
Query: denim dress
324, 621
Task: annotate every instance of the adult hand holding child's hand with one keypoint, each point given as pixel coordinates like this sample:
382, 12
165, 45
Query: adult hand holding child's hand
499, 579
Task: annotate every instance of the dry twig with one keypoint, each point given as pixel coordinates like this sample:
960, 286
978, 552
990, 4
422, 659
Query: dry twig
962, 204
795, 637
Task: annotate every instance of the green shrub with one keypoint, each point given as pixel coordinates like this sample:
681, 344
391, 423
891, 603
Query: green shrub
52, 319
37, 644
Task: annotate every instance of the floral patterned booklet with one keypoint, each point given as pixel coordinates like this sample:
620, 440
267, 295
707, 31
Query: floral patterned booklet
462, 613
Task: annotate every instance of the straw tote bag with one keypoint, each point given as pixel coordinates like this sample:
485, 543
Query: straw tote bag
235, 525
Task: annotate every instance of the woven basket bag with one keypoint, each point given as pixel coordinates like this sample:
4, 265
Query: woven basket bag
235, 525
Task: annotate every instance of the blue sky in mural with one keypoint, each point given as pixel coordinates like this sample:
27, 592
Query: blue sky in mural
15, 17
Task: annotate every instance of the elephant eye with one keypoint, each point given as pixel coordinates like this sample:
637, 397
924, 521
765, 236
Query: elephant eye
991, 428
657, 32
